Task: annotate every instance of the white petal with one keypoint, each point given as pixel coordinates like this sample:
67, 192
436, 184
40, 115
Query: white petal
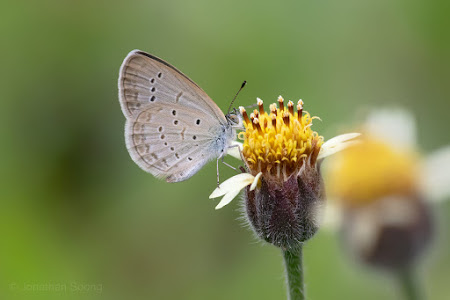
255, 181
234, 150
227, 198
337, 144
340, 139
396, 126
237, 182
436, 175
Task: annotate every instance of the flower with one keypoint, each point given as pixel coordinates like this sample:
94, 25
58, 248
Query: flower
279, 143
383, 190
282, 156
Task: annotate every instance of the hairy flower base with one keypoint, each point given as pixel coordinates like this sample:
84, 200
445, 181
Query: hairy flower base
286, 214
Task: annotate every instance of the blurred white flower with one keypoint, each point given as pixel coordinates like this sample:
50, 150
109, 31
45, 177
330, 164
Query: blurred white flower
382, 189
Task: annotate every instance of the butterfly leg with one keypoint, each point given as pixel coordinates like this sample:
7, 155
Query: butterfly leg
227, 164
240, 153
217, 168
222, 157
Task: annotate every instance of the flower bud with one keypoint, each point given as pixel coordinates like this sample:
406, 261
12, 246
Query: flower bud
286, 214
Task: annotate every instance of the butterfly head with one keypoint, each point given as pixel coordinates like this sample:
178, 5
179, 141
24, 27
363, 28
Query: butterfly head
234, 118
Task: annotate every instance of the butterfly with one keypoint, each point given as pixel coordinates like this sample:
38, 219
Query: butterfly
172, 128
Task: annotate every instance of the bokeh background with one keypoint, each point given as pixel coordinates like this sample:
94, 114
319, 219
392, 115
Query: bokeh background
76, 211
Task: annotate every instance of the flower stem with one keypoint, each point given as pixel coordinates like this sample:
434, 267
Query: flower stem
411, 290
294, 272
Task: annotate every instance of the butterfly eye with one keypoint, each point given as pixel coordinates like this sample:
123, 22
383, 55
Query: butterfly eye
233, 119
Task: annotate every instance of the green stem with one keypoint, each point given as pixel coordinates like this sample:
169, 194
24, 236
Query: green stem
294, 272
409, 285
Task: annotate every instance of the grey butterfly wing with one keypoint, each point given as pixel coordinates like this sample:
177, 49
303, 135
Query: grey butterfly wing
168, 146
173, 128
145, 79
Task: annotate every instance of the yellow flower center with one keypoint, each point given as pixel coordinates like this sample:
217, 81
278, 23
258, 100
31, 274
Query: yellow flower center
280, 142
370, 171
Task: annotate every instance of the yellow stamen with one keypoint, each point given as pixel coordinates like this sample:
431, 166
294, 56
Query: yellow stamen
286, 118
280, 102
257, 125
300, 109
273, 109
291, 107
279, 143
261, 107
244, 115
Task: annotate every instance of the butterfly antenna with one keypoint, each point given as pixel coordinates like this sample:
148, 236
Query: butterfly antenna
232, 101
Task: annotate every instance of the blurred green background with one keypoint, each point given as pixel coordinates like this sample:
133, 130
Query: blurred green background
76, 211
